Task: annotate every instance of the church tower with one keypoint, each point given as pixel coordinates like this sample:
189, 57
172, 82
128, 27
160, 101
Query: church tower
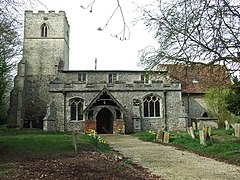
45, 52
46, 42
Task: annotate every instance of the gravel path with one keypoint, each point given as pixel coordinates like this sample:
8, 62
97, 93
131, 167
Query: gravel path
170, 163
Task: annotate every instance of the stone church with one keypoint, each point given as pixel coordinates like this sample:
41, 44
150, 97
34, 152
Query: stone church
48, 95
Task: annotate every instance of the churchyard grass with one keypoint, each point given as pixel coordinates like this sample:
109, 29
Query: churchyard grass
38, 142
221, 145
145, 136
28, 143
35, 142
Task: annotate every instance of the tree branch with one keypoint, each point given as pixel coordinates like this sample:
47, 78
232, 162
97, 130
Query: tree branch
124, 34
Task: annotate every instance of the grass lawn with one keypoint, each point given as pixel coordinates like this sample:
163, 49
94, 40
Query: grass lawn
21, 144
35, 142
222, 145
38, 142
34, 154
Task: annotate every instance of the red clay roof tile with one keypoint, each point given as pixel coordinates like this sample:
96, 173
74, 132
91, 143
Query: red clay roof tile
198, 78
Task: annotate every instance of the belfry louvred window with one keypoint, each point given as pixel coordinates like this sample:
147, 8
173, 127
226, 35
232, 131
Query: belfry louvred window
44, 30
152, 106
76, 108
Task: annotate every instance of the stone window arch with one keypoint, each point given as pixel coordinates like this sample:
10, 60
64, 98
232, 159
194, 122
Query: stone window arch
76, 109
44, 30
152, 106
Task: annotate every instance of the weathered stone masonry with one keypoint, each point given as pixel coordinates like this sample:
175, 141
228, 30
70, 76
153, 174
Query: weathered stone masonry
50, 96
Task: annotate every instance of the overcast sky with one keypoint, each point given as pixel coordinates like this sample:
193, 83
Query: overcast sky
87, 43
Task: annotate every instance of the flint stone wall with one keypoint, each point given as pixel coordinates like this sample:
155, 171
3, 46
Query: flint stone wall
125, 94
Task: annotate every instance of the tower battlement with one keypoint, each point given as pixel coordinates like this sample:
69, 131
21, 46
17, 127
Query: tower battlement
45, 32
56, 23
44, 12
45, 46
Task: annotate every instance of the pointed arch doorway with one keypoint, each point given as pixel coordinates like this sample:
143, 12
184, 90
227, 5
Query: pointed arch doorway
104, 121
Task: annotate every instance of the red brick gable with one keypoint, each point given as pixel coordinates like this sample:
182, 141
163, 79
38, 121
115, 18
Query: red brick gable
198, 78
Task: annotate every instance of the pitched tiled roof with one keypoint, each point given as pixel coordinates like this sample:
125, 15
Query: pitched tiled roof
198, 78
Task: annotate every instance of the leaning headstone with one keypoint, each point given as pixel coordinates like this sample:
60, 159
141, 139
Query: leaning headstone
226, 125
159, 136
237, 130
166, 137
191, 132
202, 137
194, 125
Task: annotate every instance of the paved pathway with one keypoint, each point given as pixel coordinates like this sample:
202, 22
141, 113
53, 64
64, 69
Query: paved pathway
170, 163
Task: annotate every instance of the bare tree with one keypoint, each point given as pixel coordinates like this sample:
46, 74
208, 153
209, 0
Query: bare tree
193, 31
124, 34
10, 45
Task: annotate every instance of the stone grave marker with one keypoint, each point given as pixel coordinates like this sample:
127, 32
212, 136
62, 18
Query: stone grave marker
209, 131
191, 132
227, 126
159, 136
237, 130
194, 125
202, 137
200, 125
205, 129
166, 137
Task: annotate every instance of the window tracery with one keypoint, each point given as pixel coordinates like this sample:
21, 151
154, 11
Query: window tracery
76, 108
152, 106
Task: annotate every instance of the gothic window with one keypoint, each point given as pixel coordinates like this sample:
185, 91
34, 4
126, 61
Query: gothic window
44, 30
112, 77
82, 77
152, 106
76, 108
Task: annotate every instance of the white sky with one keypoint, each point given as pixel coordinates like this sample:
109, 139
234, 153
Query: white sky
87, 43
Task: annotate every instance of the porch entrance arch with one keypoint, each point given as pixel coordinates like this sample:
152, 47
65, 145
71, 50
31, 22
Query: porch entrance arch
104, 121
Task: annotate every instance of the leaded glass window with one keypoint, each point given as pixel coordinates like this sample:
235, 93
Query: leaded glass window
76, 108
152, 106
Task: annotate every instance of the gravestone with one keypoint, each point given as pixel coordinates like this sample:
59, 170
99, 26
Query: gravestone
237, 130
202, 137
226, 125
191, 132
200, 125
209, 131
194, 125
162, 137
166, 137
159, 136
205, 129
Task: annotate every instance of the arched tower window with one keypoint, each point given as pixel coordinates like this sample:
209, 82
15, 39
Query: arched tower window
152, 106
76, 108
44, 30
